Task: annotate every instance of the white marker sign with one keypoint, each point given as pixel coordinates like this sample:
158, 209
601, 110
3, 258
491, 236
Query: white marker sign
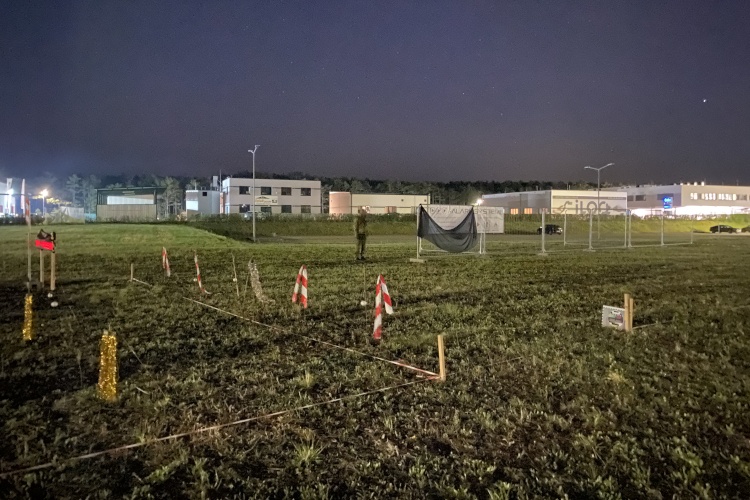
613, 317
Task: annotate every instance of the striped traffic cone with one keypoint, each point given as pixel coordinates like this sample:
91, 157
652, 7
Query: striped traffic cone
300, 287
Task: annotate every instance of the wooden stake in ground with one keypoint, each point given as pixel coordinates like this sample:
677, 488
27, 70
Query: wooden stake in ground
626, 318
132, 271
41, 269
631, 313
107, 386
441, 357
52, 259
236, 283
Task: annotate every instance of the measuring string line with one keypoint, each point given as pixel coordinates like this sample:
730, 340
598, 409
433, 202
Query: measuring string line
279, 330
203, 429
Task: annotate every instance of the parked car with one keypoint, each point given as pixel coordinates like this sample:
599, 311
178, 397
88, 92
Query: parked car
721, 228
550, 229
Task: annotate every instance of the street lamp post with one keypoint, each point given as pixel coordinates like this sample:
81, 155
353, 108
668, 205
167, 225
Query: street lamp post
598, 207
44, 194
253, 152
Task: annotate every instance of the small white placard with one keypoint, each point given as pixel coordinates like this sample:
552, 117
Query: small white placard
613, 317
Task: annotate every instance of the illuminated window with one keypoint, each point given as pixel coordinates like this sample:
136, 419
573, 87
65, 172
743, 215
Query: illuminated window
527, 211
513, 211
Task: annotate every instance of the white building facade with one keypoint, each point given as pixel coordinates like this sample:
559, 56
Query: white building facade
203, 202
343, 202
272, 196
558, 201
696, 199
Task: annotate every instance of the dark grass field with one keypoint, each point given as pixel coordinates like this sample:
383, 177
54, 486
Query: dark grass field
540, 401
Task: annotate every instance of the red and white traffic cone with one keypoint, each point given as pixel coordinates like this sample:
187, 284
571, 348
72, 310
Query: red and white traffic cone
198, 275
381, 297
300, 287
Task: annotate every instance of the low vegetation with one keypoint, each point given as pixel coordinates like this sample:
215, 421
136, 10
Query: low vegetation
540, 400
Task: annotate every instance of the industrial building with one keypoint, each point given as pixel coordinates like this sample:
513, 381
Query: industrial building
202, 202
558, 201
696, 199
272, 196
130, 204
342, 203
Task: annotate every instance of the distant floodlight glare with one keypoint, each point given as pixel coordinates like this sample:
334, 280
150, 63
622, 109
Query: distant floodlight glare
44, 193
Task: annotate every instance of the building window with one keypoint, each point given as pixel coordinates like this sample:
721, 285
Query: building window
640, 197
265, 210
528, 211
630, 197
305, 191
286, 209
244, 209
244, 189
305, 209
513, 211
205, 193
286, 191
265, 190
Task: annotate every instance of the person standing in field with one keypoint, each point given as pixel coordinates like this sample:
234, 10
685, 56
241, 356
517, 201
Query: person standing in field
360, 230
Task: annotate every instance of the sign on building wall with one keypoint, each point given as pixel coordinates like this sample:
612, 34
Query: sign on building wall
266, 200
608, 202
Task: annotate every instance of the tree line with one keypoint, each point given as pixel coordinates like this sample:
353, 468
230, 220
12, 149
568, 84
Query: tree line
79, 190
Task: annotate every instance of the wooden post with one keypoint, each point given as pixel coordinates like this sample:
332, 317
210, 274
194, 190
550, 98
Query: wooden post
41, 268
132, 271
441, 357
626, 319
52, 272
632, 313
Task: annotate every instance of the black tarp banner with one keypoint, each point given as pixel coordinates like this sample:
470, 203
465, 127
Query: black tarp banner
461, 238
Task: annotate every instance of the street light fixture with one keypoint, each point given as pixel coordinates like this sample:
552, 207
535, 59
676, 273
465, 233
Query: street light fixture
44, 194
598, 207
253, 152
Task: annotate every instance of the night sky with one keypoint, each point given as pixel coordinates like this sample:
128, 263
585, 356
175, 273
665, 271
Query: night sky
428, 90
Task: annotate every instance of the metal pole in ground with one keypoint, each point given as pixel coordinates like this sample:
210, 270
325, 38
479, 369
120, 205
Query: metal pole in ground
626, 230
630, 229
591, 230
662, 228
692, 229
543, 231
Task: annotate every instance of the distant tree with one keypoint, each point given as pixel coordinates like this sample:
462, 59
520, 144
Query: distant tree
89, 186
74, 186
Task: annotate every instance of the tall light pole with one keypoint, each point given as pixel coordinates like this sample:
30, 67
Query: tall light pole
253, 152
44, 194
598, 207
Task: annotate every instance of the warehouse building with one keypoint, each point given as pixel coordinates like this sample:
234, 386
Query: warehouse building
129, 204
558, 201
342, 202
696, 199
